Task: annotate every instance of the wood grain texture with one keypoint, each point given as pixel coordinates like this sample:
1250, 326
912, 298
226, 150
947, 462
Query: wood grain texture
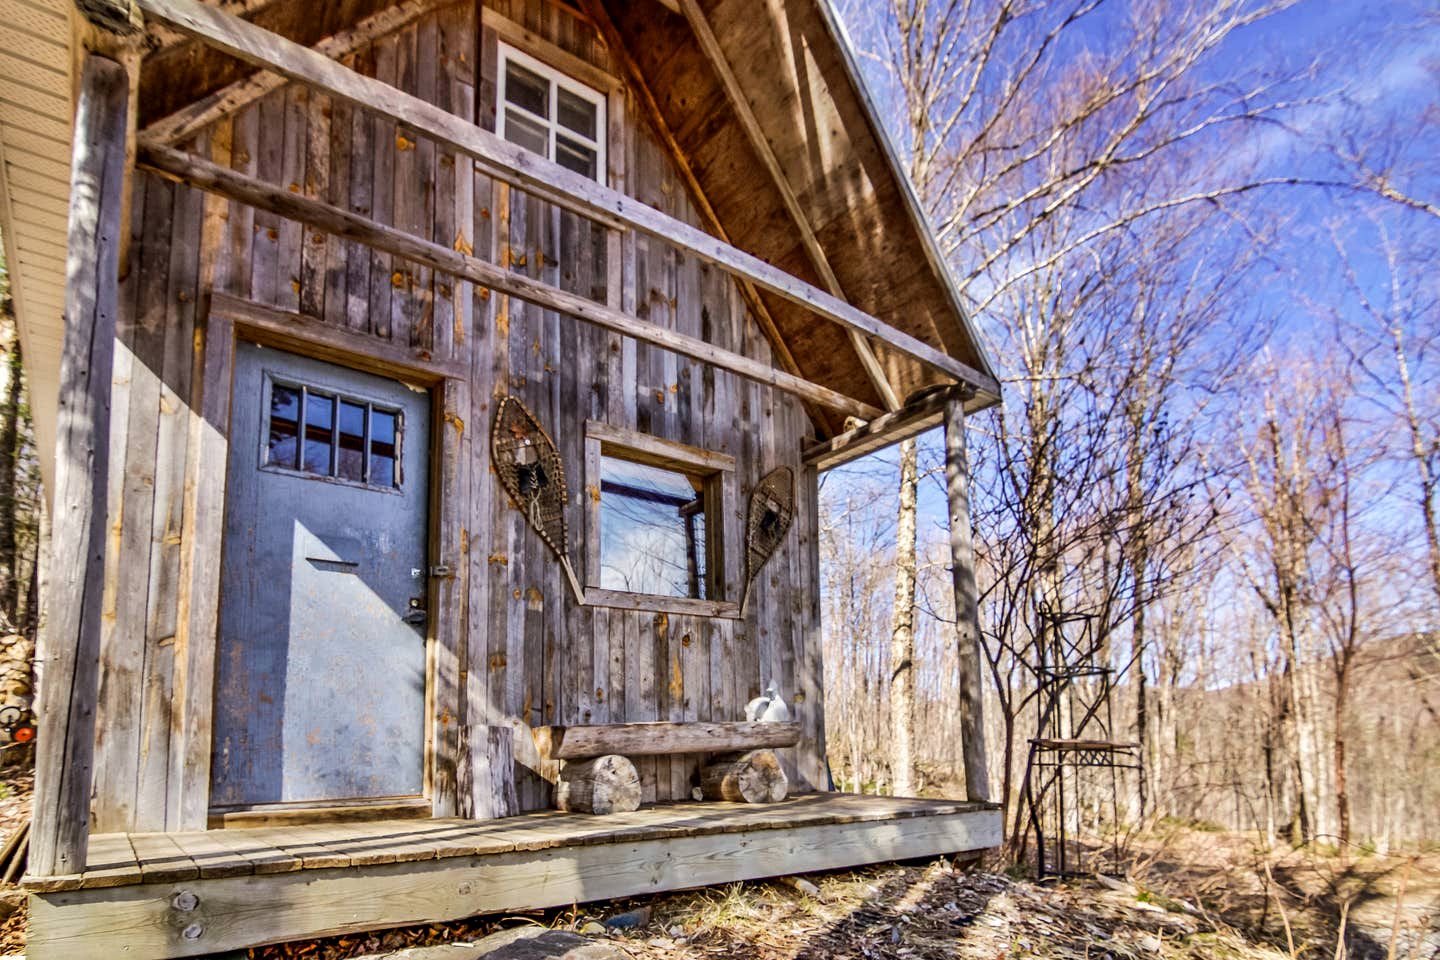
402, 243
600, 785
650, 110
199, 114
69, 644
538, 175
284, 328
967, 612
921, 413
530, 655
708, 43
326, 843
795, 73
753, 776
662, 738
491, 751
391, 881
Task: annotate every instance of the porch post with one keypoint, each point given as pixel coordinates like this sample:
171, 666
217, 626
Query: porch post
967, 619
70, 626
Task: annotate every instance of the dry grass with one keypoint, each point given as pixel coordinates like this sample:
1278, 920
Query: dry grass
919, 913
1305, 901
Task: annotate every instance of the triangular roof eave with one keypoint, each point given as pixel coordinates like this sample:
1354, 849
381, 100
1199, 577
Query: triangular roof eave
926, 234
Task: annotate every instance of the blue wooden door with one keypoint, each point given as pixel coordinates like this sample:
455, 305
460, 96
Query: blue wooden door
320, 675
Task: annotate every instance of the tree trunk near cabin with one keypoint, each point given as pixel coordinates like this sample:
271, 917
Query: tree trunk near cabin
1142, 715
1342, 786
9, 455
1139, 570
902, 633
1421, 456
754, 776
608, 784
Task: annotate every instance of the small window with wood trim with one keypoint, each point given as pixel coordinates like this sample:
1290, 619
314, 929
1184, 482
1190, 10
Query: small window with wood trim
550, 113
656, 527
652, 530
320, 433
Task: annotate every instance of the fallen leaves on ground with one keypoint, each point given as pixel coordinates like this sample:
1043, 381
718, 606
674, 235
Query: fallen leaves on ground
15, 790
920, 913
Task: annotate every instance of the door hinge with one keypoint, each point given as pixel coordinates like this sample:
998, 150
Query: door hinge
442, 570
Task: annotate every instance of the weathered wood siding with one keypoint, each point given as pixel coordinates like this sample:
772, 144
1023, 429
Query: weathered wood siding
527, 654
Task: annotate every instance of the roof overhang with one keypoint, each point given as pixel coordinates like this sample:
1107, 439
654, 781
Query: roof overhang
798, 77
36, 107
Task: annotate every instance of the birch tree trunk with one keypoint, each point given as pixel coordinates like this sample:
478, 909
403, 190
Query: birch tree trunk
9, 450
902, 633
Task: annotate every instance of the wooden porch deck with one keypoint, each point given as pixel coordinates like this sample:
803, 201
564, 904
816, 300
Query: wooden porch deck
188, 894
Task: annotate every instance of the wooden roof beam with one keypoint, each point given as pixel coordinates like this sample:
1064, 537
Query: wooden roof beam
192, 118
925, 410
710, 46
533, 173
240, 188
600, 19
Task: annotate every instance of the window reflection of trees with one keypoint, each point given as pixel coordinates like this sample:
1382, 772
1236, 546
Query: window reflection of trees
652, 530
361, 445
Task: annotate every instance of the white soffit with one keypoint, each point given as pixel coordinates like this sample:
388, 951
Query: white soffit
35, 128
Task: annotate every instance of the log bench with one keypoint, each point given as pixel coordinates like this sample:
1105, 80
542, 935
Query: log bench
596, 775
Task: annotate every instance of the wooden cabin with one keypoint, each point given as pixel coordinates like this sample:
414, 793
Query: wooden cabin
435, 388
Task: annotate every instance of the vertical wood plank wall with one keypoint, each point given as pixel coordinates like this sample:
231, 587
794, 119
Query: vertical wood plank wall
528, 654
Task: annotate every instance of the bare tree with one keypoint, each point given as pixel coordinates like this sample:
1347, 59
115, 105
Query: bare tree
902, 632
1392, 340
1087, 168
10, 572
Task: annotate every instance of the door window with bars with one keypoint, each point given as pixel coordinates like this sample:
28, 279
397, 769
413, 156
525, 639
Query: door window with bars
547, 112
324, 434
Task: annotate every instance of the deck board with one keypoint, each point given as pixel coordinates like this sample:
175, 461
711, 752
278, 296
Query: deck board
262, 857
110, 862
161, 859
238, 888
121, 859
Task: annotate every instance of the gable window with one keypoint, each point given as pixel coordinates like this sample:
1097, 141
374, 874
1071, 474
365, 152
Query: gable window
549, 113
656, 524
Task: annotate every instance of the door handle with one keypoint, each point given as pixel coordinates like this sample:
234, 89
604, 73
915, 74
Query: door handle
416, 617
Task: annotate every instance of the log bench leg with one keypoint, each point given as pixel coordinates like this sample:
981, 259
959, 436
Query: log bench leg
611, 784
608, 784
754, 776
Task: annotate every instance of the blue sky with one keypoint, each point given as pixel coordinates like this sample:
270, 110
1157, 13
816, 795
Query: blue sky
1368, 78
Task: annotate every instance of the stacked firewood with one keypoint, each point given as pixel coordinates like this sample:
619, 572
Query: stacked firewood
17, 737
17, 697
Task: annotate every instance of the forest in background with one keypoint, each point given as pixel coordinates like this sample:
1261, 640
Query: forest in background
1199, 241
19, 483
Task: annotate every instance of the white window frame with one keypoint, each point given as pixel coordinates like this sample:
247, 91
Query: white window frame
557, 79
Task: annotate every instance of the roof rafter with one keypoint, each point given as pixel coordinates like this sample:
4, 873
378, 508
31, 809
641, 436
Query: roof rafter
241, 188
600, 19
534, 174
710, 46
192, 118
